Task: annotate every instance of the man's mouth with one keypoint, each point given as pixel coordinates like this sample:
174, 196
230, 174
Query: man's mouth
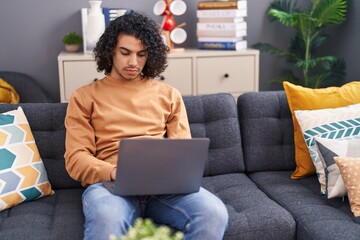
131, 71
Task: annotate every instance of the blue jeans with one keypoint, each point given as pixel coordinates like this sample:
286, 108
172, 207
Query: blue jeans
198, 215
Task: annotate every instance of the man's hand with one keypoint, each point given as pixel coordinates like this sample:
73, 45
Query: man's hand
113, 174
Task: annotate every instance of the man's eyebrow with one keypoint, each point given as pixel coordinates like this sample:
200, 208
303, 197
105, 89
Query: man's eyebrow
124, 48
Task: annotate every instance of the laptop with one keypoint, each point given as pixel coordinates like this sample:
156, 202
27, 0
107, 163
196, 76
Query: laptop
152, 166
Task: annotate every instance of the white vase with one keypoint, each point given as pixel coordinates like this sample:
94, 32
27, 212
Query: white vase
95, 24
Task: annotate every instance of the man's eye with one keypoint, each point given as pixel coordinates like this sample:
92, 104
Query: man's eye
124, 53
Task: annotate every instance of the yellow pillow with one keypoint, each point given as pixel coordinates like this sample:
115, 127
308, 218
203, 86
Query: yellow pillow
349, 169
7, 93
302, 98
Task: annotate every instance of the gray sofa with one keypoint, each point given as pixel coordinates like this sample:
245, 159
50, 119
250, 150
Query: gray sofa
249, 168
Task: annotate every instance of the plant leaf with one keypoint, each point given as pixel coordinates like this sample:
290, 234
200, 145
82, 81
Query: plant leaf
336, 75
330, 12
297, 47
312, 63
267, 47
288, 6
306, 25
288, 19
317, 41
287, 75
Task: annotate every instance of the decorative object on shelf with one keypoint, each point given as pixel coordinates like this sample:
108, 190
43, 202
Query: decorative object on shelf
171, 33
94, 25
72, 42
109, 15
309, 23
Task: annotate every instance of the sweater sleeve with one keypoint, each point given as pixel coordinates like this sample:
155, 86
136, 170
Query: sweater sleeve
80, 160
178, 124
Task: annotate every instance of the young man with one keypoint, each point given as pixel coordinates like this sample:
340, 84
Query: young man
129, 103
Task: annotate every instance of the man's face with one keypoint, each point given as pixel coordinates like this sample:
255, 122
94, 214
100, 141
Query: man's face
130, 57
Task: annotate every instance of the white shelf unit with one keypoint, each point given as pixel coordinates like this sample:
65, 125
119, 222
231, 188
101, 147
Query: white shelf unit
192, 71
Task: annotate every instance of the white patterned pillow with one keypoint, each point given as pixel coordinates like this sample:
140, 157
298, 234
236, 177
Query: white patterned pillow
22, 172
330, 148
330, 123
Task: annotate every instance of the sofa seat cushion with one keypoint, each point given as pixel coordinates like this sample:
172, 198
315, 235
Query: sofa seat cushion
252, 215
58, 216
316, 216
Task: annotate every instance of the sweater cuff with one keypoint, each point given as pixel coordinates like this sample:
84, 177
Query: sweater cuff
105, 172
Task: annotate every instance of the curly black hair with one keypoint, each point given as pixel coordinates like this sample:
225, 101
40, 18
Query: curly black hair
143, 28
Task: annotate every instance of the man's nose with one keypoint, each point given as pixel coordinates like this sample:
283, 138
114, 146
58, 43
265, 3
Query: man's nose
133, 60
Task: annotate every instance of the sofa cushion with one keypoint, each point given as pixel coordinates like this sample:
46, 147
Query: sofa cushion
301, 98
267, 131
252, 215
330, 123
215, 117
47, 125
56, 217
22, 173
316, 216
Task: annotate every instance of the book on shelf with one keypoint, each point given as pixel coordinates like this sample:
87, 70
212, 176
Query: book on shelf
220, 39
221, 26
240, 45
223, 33
112, 13
241, 4
221, 13
222, 20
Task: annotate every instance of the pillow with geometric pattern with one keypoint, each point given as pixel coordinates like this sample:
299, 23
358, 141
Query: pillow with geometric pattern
349, 169
330, 123
22, 173
330, 148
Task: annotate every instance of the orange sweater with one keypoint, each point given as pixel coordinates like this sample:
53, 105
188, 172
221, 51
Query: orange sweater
103, 112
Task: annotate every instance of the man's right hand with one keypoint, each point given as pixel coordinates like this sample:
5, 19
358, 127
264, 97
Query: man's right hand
113, 174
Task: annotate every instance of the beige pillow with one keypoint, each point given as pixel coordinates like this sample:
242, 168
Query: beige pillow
350, 172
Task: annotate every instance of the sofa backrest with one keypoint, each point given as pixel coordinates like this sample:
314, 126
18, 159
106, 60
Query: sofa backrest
266, 131
212, 116
47, 124
27, 88
215, 117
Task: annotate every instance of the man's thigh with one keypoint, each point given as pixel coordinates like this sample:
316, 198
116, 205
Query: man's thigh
179, 210
98, 202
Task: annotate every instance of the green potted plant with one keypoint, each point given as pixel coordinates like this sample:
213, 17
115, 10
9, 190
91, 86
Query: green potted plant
72, 42
146, 229
309, 24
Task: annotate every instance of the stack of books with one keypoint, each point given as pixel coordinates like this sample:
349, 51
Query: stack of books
221, 25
